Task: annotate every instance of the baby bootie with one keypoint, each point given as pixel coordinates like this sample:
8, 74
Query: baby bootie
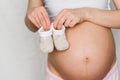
46, 42
59, 39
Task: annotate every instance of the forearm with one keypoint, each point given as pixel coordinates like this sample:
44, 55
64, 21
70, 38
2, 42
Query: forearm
107, 18
32, 4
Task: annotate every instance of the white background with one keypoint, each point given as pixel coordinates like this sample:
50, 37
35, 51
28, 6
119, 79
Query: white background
20, 58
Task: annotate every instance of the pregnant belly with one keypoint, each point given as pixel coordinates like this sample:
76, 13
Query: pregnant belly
90, 55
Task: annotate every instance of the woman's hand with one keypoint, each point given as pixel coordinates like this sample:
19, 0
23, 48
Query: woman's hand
39, 17
69, 17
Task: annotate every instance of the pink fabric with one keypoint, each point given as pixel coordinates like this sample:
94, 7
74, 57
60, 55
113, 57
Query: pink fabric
114, 74
51, 76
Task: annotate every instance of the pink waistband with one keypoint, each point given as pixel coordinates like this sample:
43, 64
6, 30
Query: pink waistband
110, 73
52, 75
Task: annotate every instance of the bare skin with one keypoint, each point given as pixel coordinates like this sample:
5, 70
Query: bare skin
91, 53
92, 50
37, 16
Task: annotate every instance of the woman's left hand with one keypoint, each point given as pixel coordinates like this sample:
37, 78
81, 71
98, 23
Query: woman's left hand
69, 17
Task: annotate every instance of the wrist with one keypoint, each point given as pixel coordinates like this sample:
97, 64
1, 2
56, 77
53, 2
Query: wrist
86, 13
89, 14
83, 13
32, 8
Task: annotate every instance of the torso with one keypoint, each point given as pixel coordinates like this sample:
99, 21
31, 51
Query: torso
91, 52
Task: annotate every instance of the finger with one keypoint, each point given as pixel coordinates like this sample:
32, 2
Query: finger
67, 22
42, 20
33, 21
60, 23
45, 14
57, 18
72, 23
46, 18
33, 14
37, 20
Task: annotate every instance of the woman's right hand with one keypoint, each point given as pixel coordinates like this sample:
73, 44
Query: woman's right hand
39, 17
